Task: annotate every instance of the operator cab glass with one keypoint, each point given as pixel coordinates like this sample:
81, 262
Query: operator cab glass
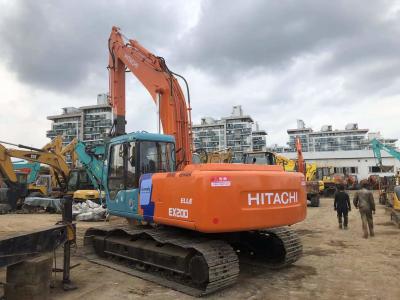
43, 181
72, 181
129, 160
79, 180
262, 158
156, 157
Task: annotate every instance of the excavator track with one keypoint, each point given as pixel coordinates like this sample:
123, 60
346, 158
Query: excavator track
189, 262
192, 265
286, 239
274, 248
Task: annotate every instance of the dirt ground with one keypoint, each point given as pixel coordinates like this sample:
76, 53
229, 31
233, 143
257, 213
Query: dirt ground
337, 264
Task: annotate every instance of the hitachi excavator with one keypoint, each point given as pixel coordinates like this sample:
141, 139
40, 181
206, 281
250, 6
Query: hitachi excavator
190, 223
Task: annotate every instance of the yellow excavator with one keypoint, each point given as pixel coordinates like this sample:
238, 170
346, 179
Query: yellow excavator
54, 146
17, 190
219, 156
63, 180
310, 173
395, 213
41, 181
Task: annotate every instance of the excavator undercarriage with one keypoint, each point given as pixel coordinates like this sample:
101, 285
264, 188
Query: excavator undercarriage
188, 261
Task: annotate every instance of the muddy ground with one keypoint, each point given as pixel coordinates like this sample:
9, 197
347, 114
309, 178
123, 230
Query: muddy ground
337, 264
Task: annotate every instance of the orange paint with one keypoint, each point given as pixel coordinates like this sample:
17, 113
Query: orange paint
257, 197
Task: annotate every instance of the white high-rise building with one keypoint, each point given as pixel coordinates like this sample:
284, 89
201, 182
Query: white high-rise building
329, 139
235, 132
87, 123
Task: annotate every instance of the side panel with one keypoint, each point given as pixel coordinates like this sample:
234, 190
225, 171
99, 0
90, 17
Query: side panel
224, 201
125, 204
146, 203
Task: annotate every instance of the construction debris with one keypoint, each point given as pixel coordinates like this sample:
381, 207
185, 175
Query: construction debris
88, 211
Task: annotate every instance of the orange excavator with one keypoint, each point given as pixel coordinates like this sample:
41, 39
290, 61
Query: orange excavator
189, 224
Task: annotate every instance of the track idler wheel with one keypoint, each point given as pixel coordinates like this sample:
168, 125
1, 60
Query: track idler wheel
198, 269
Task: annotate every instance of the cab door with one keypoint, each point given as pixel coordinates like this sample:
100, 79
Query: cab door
122, 182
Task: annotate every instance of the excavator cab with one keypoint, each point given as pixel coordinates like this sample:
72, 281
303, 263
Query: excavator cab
41, 187
132, 159
259, 158
80, 187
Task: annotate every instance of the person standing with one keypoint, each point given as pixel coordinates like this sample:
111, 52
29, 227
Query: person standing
342, 206
364, 201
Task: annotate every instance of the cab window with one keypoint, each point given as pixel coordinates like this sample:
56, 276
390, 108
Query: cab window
116, 180
156, 157
131, 178
72, 181
122, 168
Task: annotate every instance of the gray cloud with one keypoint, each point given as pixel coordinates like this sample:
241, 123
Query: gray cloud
235, 37
57, 44
281, 60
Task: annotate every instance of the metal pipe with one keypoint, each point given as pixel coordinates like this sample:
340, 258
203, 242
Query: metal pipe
67, 220
158, 113
22, 146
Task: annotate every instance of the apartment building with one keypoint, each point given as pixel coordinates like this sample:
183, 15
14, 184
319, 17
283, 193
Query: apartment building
259, 139
346, 151
350, 138
87, 123
234, 131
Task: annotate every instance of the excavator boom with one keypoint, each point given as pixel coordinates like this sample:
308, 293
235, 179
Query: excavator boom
92, 165
377, 146
162, 85
300, 160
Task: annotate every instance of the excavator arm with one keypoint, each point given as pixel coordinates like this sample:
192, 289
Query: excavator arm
378, 146
92, 165
6, 166
70, 149
311, 171
300, 160
287, 164
162, 85
55, 145
53, 160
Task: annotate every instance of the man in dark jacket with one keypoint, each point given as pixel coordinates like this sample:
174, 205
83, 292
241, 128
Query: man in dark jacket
364, 201
342, 206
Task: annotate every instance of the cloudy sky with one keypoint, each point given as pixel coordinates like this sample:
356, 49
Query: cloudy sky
326, 62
